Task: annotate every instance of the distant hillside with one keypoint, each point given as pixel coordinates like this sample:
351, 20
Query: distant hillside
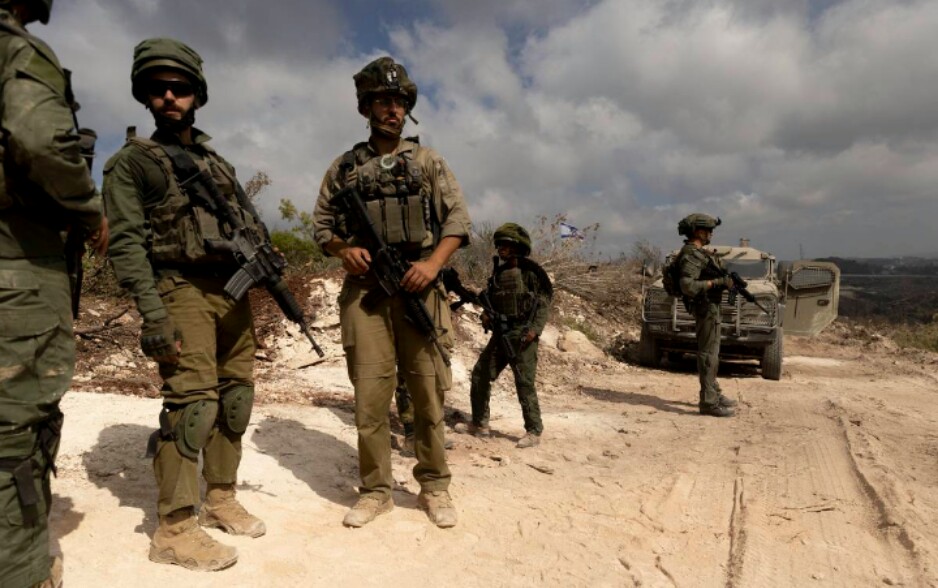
886, 266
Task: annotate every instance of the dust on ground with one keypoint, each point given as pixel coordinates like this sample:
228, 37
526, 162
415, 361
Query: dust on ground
827, 477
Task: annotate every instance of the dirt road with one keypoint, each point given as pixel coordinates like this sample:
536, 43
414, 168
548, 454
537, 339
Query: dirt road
826, 478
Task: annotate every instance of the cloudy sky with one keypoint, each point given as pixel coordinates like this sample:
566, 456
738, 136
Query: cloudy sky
807, 124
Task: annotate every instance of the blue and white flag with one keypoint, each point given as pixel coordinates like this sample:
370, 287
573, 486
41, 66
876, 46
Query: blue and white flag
570, 232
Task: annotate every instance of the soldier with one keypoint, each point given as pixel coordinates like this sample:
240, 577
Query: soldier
412, 185
162, 252
520, 293
702, 283
47, 189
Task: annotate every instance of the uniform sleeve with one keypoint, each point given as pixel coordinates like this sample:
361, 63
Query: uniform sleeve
325, 214
41, 138
544, 299
129, 232
448, 196
692, 266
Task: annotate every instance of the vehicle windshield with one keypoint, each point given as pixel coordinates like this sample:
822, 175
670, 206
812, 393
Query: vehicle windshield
748, 268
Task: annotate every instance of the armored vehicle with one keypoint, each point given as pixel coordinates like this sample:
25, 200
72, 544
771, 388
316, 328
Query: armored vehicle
800, 297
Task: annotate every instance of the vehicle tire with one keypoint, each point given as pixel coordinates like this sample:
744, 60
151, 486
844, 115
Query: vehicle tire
772, 358
648, 353
675, 357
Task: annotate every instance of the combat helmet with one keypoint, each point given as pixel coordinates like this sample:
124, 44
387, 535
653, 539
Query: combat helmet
167, 54
383, 75
43, 9
695, 221
516, 235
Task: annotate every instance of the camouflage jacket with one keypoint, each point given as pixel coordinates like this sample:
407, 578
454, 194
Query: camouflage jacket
45, 185
699, 265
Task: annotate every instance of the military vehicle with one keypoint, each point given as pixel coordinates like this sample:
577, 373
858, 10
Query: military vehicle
801, 297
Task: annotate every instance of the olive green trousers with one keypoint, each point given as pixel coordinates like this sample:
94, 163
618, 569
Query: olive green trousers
707, 318
490, 364
37, 359
377, 344
217, 358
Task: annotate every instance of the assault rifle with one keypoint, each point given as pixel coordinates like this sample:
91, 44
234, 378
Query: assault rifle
388, 267
259, 264
740, 288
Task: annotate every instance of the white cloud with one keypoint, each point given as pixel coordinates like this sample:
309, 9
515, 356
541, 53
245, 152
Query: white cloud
799, 122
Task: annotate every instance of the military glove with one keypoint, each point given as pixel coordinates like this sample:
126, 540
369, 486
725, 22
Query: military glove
724, 282
158, 340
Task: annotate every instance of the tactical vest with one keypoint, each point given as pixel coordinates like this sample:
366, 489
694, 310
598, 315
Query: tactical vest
180, 227
391, 187
510, 295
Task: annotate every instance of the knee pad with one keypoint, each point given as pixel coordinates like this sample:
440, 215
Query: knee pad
195, 426
236, 405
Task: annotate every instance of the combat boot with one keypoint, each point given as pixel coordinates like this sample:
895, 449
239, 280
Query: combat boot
179, 540
439, 507
368, 507
529, 440
473, 429
726, 401
717, 410
223, 511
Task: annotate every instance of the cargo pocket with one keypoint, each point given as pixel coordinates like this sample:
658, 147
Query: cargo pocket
26, 325
348, 334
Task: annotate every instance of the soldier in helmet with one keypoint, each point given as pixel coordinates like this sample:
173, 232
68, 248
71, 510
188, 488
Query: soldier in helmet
520, 293
418, 207
162, 252
703, 282
45, 188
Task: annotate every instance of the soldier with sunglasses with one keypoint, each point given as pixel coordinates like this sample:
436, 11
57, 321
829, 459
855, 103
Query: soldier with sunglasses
163, 254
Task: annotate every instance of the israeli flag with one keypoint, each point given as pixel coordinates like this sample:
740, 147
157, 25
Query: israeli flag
570, 232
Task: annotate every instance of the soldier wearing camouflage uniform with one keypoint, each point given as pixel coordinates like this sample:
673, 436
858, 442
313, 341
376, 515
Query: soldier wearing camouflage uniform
418, 207
520, 291
703, 281
161, 248
46, 189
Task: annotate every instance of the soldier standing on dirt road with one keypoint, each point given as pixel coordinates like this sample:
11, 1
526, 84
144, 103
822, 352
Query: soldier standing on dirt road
47, 189
520, 293
413, 186
702, 283
203, 341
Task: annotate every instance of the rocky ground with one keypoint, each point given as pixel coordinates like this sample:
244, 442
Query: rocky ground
827, 477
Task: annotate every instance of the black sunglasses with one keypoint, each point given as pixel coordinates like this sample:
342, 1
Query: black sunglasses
158, 88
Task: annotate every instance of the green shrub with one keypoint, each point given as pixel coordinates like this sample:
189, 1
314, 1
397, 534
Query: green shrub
299, 252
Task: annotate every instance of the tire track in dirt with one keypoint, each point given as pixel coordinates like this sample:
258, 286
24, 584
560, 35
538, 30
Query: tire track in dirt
899, 524
809, 517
